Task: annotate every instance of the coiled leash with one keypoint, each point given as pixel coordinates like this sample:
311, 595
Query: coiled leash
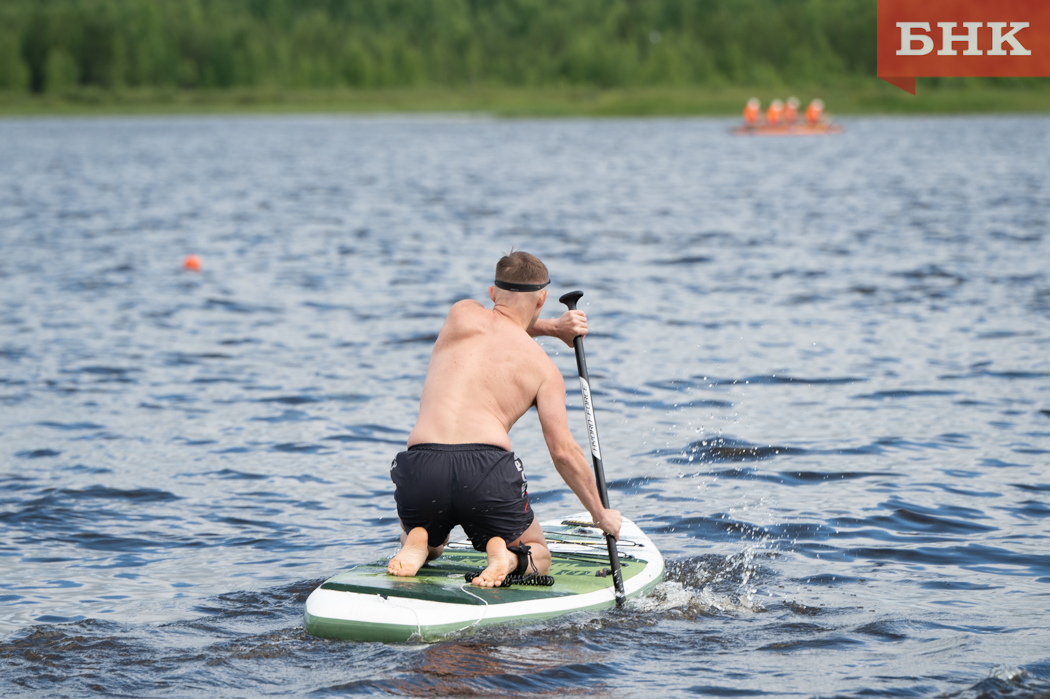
520, 576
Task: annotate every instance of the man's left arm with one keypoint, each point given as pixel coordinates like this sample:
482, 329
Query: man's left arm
570, 325
569, 460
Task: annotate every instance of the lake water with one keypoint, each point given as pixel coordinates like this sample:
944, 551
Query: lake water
821, 371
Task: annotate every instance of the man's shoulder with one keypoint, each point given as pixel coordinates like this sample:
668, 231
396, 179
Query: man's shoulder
465, 317
464, 310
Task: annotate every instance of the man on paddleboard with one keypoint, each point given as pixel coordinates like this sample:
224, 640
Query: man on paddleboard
485, 372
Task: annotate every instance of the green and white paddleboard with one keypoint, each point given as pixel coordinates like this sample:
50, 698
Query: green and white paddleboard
366, 604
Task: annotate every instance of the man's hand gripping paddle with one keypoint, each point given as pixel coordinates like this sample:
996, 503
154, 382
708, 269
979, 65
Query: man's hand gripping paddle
570, 300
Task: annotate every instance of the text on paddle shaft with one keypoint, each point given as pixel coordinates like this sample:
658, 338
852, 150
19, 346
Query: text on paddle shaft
588, 410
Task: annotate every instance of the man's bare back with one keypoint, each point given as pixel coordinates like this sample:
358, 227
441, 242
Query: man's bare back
485, 372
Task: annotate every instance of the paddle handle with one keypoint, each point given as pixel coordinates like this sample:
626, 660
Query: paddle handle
570, 299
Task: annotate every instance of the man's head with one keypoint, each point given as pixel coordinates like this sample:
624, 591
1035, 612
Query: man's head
521, 281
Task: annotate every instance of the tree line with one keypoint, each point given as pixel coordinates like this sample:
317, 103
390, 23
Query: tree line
54, 45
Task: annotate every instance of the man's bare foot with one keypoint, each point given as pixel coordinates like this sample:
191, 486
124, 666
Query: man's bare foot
412, 556
501, 564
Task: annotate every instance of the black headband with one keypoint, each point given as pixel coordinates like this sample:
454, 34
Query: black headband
514, 286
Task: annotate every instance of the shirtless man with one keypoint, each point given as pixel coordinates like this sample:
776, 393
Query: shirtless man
484, 373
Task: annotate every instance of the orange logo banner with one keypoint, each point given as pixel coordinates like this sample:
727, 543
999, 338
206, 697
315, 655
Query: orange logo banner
962, 38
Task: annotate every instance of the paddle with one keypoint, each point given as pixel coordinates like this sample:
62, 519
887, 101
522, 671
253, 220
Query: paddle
570, 300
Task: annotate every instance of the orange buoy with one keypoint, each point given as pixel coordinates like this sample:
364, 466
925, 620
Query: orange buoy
774, 113
751, 111
192, 263
791, 110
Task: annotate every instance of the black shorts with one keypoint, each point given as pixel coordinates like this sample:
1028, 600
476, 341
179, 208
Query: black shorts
478, 486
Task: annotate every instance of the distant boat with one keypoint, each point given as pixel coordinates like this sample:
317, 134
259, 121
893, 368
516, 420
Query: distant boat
820, 129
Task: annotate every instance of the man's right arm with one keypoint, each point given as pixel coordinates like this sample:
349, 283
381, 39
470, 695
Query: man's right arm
567, 455
571, 324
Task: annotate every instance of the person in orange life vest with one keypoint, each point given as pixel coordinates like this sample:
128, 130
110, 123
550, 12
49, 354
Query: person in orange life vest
815, 112
751, 112
791, 111
774, 113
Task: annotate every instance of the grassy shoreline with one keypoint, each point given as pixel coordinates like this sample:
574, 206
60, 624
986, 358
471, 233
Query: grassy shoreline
866, 99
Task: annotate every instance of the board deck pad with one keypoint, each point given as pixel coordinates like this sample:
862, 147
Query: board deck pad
366, 604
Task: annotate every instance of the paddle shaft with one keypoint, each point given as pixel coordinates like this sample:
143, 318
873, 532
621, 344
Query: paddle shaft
570, 300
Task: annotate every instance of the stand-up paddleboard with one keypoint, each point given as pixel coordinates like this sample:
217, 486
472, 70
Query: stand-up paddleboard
366, 604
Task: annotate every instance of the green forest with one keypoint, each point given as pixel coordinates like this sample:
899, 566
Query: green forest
52, 45
508, 56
